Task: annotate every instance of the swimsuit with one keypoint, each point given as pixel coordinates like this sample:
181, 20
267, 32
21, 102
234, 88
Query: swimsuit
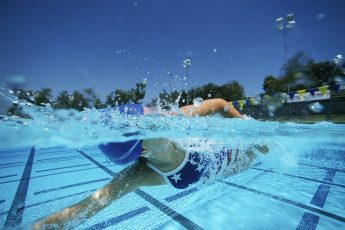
196, 166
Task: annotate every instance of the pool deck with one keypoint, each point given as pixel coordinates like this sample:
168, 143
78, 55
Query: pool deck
36, 182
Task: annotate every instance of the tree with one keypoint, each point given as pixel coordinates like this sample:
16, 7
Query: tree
293, 76
271, 85
78, 101
138, 93
42, 96
232, 91
62, 101
323, 73
120, 97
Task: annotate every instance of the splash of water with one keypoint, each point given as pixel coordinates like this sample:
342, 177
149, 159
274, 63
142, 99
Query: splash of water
48, 127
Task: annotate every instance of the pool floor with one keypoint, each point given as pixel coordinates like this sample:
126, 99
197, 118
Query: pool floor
36, 182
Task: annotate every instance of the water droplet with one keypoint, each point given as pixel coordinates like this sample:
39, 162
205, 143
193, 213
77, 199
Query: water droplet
209, 95
197, 101
316, 107
214, 50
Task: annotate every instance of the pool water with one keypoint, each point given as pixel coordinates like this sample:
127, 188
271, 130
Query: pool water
52, 161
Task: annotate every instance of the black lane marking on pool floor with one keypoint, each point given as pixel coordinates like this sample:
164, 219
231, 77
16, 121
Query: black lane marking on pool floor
51, 200
66, 167
320, 196
192, 190
322, 167
13, 156
159, 205
294, 203
300, 177
310, 221
181, 194
330, 175
54, 159
12, 175
2, 201
15, 214
58, 159
118, 219
19, 163
70, 186
14, 151
51, 174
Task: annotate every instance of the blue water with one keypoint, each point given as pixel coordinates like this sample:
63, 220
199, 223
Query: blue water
50, 161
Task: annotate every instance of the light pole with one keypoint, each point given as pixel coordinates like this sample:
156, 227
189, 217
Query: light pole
285, 24
187, 64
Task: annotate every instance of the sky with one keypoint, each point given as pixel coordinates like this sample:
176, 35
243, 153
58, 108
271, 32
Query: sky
108, 45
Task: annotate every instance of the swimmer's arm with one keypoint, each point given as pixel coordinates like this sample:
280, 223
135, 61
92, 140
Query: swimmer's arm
243, 163
210, 107
128, 180
262, 148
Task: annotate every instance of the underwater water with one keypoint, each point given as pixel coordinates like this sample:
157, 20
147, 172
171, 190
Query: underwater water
52, 160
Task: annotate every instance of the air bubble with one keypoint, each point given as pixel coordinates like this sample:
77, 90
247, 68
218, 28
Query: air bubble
316, 107
197, 101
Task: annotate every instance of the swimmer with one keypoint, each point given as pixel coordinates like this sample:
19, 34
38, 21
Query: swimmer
158, 162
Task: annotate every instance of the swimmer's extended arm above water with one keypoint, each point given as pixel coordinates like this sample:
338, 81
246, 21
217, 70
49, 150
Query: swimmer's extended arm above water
128, 180
207, 107
210, 107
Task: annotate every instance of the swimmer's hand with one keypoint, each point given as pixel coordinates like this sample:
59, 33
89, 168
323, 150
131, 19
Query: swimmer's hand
262, 148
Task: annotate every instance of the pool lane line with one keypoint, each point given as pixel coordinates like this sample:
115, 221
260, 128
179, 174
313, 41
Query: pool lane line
308, 222
12, 163
58, 159
12, 156
67, 167
182, 220
2, 201
194, 189
14, 150
330, 175
300, 177
46, 175
70, 186
322, 191
51, 200
323, 167
12, 175
118, 219
54, 159
180, 194
320, 196
15, 214
293, 203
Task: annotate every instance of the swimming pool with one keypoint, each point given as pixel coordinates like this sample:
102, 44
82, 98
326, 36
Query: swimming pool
300, 185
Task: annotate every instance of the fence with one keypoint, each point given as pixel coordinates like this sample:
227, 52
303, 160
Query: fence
322, 109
